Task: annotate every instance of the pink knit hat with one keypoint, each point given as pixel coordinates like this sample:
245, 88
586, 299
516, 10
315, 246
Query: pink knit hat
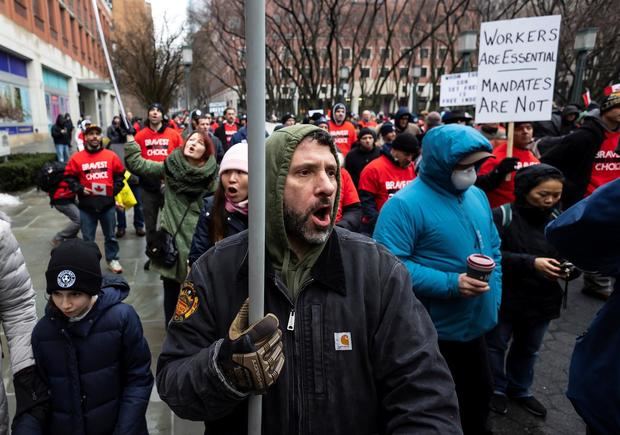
235, 158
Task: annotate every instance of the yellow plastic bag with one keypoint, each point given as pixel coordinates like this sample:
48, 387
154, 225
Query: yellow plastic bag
125, 198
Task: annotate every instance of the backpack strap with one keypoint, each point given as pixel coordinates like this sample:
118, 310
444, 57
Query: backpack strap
506, 215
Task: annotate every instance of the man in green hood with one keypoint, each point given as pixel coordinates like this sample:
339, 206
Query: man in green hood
357, 352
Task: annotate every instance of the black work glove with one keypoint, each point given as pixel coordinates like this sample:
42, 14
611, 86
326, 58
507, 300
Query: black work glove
506, 166
31, 394
252, 357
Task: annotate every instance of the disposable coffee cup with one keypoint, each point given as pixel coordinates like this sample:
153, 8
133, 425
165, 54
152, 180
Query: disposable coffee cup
480, 267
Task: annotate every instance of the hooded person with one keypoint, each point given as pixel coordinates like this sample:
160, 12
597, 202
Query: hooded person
433, 225
531, 293
339, 308
403, 122
342, 131
62, 138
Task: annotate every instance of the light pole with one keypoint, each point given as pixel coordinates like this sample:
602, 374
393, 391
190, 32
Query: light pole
294, 97
187, 56
585, 40
465, 46
416, 73
343, 74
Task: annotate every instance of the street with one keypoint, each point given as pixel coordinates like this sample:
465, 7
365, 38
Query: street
35, 223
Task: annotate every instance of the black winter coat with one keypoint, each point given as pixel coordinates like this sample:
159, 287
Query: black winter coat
526, 293
392, 379
357, 159
235, 223
59, 137
574, 156
98, 369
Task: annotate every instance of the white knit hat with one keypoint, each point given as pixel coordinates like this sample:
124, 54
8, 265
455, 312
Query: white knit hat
235, 158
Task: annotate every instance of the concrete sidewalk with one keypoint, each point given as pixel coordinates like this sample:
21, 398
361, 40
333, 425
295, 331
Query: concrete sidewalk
35, 223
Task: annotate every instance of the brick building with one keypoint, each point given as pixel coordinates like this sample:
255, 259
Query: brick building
51, 62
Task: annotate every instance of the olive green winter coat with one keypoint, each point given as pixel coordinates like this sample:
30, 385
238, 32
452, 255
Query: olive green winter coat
186, 185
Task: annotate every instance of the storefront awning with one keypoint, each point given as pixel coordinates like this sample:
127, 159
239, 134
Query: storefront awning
96, 84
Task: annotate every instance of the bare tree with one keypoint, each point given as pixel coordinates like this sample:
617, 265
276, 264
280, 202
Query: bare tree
148, 67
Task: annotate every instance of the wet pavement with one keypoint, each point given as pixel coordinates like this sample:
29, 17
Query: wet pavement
35, 223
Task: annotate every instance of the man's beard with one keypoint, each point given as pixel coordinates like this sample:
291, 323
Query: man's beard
300, 225
91, 148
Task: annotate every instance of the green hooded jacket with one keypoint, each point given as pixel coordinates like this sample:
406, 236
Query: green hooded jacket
186, 185
279, 148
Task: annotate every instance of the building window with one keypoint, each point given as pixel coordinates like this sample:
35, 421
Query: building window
365, 73
384, 72
51, 18
20, 8
345, 53
424, 53
73, 35
440, 71
406, 53
385, 53
423, 71
365, 53
420, 89
441, 54
285, 73
324, 89
404, 72
325, 73
63, 27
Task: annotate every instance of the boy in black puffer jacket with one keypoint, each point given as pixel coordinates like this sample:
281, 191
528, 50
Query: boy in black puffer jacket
90, 349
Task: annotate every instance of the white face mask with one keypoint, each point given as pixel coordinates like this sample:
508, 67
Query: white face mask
463, 179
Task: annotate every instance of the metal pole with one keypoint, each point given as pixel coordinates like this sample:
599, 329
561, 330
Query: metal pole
187, 95
255, 49
414, 92
106, 54
581, 65
465, 67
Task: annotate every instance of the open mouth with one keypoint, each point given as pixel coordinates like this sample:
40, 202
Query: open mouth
322, 216
232, 190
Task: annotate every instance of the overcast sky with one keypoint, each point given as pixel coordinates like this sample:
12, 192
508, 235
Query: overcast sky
174, 12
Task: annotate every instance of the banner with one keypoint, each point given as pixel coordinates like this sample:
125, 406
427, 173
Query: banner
516, 69
458, 89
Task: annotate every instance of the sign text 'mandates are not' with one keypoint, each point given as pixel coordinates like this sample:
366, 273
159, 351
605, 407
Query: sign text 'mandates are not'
516, 69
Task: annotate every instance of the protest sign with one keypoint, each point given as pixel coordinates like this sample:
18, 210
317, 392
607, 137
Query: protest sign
217, 108
516, 69
458, 89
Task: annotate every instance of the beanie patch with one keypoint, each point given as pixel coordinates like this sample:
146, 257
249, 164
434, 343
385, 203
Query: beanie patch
65, 279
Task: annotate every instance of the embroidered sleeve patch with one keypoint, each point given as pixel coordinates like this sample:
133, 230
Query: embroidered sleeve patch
187, 304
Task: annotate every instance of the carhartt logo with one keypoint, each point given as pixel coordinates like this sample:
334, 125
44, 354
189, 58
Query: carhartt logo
343, 341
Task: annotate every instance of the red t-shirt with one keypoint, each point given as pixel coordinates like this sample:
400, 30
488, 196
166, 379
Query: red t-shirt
369, 124
348, 193
157, 146
505, 191
95, 171
344, 135
606, 166
383, 179
230, 130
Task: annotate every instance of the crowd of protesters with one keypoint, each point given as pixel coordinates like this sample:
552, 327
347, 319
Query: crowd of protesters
409, 278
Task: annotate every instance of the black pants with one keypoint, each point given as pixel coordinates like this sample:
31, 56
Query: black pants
171, 294
469, 364
152, 202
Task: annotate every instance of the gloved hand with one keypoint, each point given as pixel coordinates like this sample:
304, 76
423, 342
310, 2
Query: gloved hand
252, 357
506, 166
31, 394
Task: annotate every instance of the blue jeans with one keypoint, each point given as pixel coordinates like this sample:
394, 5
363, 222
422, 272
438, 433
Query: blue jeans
138, 214
518, 376
107, 218
62, 153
